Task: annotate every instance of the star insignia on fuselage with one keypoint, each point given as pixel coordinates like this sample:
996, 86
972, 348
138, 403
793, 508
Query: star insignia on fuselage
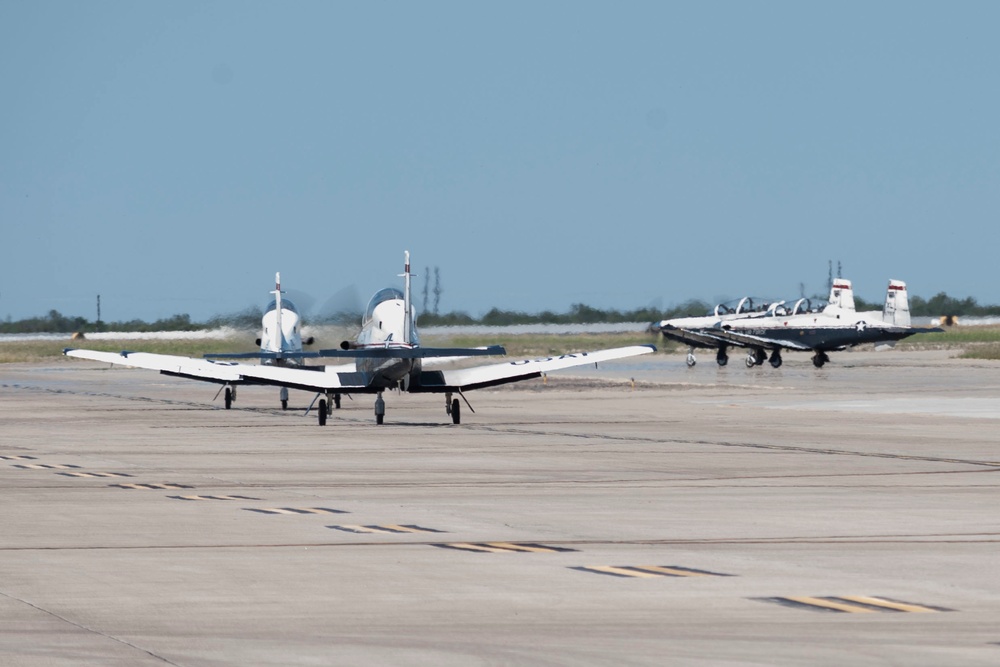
861, 326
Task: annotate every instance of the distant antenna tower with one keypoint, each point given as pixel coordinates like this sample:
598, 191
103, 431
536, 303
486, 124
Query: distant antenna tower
839, 273
437, 289
427, 286
98, 311
829, 280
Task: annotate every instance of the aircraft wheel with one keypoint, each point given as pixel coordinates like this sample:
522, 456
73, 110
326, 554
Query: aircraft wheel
456, 412
284, 405
722, 359
775, 360
322, 412
819, 359
691, 361
229, 398
751, 360
336, 400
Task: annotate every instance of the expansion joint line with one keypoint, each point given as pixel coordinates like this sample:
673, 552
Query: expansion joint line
90, 630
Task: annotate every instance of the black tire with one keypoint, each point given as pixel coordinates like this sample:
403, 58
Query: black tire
229, 398
284, 405
379, 419
819, 359
722, 360
775, 361
322, 412
336, 401
456, 411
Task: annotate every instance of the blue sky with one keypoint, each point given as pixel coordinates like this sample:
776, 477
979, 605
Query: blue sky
171, 156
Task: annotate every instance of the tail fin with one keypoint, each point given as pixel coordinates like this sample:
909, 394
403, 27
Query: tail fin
842, 295
408, 336
897, 305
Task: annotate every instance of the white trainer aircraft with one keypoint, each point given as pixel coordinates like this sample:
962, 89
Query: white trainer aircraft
386, 355
836, 327
699, 332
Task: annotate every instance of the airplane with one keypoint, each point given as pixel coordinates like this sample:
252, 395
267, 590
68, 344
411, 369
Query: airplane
280, 340
834, 328
386, 355
699, 332
280, 343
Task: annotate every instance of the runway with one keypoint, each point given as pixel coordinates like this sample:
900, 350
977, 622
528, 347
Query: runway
642, 513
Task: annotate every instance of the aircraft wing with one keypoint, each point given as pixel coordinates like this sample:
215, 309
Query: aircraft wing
461, 379
314, 378
198, 369
755, 340
695, 337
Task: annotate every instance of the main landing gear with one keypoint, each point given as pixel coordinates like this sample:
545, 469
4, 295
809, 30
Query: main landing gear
230, 396
691, 360
283, 396
721, 357
819, 359
775, 360
756, 357
453, 408
326, 406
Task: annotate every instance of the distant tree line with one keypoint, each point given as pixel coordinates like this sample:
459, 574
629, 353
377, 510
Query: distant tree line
55, 322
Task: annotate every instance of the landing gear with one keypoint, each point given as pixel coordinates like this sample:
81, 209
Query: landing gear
379, 409
322, 411
284, 398
756, 357
447, 403
230, 397
819, 359
336, 400
721, 357
456, 412
691, 360
776, 359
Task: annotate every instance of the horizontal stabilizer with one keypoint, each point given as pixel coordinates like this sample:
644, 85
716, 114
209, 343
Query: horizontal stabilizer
411, 352
246, 355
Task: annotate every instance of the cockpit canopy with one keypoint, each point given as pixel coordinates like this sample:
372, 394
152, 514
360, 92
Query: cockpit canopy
286, 304
381, 296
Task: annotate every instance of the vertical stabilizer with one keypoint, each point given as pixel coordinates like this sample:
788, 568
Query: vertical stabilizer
842, 295
278, 340
897, 305
407, 303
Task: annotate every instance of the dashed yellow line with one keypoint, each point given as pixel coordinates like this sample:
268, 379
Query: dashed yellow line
476, 547
620, 571
888, 604
519, 547
831, 604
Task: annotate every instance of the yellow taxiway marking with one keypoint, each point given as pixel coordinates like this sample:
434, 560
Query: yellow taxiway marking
404, 529
610, 569
672, 571
478, 547
830, 604
879, 602
509, 546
